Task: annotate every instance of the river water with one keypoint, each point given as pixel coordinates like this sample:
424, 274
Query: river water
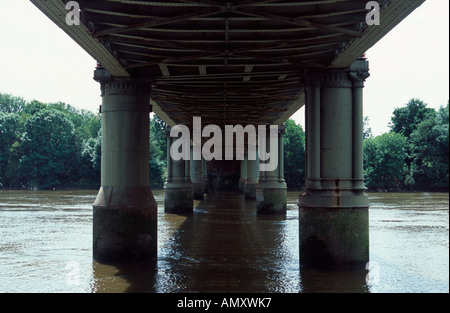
46, 246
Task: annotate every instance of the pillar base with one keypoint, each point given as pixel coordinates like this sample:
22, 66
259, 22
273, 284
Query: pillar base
334, 193
271, 198
124, 225
198, 191
178, 197
332, 236
250, 190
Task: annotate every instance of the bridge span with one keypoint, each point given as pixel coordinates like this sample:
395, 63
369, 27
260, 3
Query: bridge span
247, 62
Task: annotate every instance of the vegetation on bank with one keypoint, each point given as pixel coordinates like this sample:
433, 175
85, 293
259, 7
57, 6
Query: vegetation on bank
414, 155
57, 146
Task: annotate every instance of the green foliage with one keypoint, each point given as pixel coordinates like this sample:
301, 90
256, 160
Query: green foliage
91, 160
10, 131
425, 145
405, 120
383, 161
367, 131
429, 146
294, 155
33, 107
47, 146
55, 145
158, 151
11, 104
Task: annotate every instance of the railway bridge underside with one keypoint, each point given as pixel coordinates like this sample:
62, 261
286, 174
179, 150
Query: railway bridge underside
249, 62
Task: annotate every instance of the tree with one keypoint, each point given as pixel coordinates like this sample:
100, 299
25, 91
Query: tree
48, 149
25, 134
11, 104
91, 161
405, 120
426, 132
10, 131
384, 158
429, 146
367, 130
294, 155
33, 107
158, 151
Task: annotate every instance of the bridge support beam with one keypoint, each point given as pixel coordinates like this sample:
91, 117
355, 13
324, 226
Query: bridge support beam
178, 189
271, 193
334, 223
125, 211
252, 180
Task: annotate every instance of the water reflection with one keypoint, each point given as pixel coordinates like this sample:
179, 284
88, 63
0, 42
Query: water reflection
323, 281
120, 278
224, 246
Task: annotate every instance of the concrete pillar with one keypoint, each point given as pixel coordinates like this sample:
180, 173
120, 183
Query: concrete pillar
243, 177
205, 176
358, 74
178, 189
252, 178
196, 177
334, 223
312, 134
125, 211
271, 193
281, 131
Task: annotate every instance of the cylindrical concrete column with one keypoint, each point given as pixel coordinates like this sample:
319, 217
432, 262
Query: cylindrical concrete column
358, 74
169, 163
125, 211
281, 131
333, 210
243, 174
196, 177
312, 138
271, 192
178, 189
205, 176
336, 132
358, 173
252, 178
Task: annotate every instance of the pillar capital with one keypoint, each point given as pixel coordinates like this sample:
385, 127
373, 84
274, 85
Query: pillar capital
353, 76
359, 72
116, 86
327, 78
358, 77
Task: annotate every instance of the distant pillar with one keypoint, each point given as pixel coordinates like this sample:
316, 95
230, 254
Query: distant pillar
252, 178
205, 176
178, 189
243, 174
334, 224
125, 211
197, 178
271, 193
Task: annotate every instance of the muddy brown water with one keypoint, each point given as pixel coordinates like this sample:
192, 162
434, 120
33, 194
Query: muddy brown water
223, 246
